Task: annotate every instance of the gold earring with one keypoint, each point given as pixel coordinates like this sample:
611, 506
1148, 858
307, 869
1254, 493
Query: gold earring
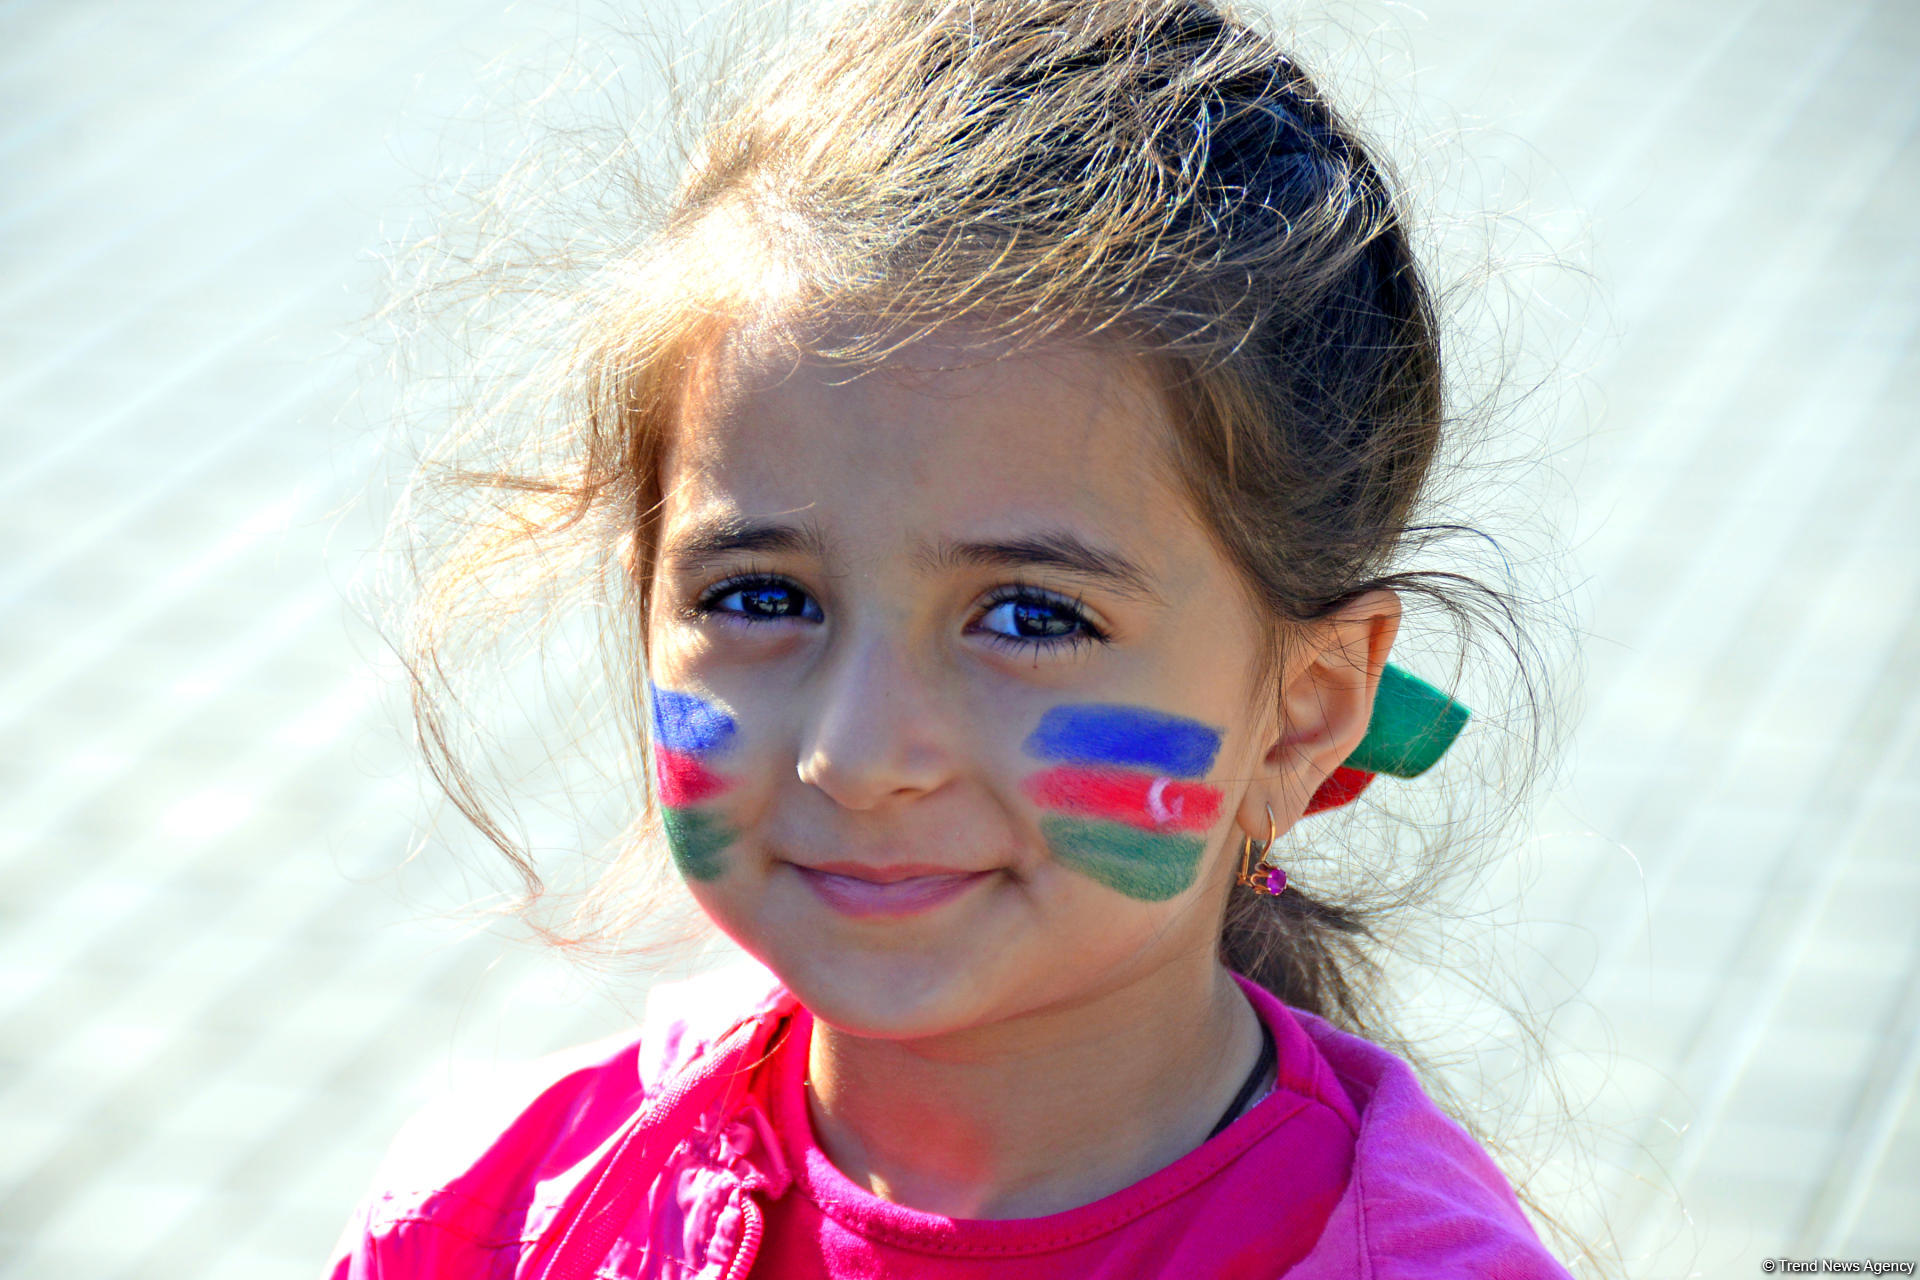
1271, 881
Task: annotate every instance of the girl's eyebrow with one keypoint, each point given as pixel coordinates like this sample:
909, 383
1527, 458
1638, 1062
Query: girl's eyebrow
713, 540
709, 541
1059, 549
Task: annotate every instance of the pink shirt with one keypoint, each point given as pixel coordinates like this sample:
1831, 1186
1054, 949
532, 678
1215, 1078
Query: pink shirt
687, 1156
1249, 1202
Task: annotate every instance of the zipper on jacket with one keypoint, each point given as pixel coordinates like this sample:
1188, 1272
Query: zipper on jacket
755, 1226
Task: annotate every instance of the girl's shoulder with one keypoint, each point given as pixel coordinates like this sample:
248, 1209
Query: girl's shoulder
569, 1102
1424, 1198
491, 1165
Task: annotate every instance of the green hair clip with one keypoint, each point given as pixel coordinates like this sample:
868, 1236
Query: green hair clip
1413, 724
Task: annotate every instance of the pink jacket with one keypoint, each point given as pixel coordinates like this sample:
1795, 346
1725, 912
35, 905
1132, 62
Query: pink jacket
628, 1161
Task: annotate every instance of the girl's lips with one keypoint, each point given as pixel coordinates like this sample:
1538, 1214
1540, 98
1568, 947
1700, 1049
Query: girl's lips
887, 891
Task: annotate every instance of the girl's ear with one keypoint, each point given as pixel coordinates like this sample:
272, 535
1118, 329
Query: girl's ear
1326, 700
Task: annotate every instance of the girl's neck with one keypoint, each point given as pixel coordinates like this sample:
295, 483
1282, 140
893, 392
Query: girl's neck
1039, 1115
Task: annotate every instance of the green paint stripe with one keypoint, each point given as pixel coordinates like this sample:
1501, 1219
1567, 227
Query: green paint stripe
1139, 864
1413, 724
697, 839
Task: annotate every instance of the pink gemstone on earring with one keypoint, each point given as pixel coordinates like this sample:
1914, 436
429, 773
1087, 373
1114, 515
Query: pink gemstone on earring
1276, 881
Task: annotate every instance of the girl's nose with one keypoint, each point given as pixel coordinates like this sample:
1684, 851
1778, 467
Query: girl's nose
876, 732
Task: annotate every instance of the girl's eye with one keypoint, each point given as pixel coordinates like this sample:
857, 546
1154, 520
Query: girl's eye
1027, 618
759, 600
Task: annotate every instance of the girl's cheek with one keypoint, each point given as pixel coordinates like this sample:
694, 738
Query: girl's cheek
1120, 803
688, 734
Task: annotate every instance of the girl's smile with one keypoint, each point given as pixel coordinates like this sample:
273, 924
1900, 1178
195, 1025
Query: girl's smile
898, 890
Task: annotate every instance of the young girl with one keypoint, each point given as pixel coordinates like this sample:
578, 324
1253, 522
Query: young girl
1002, 448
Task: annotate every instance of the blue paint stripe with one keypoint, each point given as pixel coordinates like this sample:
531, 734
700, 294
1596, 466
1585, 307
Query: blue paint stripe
1104, 733
682, 722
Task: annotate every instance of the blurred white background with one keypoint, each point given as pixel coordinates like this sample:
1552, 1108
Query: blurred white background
217, 1001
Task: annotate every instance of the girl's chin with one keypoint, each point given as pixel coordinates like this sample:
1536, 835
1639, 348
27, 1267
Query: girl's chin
888, 995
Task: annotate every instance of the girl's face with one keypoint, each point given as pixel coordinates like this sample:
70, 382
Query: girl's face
954, 698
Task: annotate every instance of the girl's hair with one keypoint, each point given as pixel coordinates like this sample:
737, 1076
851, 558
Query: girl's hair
1158, 175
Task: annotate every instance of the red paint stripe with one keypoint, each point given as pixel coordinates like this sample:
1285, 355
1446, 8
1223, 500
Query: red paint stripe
683, 779
1343, 786
1142, 800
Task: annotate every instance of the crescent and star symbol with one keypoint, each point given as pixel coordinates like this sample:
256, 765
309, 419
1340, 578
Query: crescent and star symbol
1157, 807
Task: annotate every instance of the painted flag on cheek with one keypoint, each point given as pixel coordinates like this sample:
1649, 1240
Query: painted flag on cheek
1120, 806
1139, 800
686, 731
683, 779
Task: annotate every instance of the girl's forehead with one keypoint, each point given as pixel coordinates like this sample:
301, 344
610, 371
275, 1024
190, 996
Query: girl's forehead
944, 427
